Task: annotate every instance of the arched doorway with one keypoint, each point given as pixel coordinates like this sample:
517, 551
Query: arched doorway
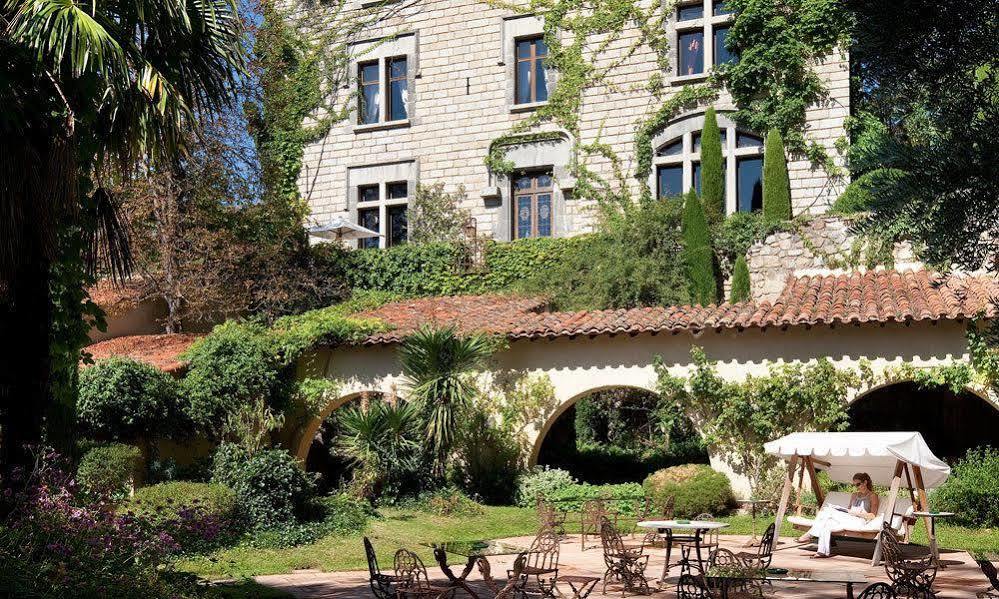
952, 423
334, 469
615, 435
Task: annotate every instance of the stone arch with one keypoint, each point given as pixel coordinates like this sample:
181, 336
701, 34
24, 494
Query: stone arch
950, 422
565, 404
301, 441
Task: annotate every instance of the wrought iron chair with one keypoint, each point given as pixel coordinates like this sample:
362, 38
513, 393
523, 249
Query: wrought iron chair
540, 567
591, 515
989, 570
550, 517
624, 565
413, 580
723, 558
382, 585
910, 577
661, 511
765, 552
692, 587
878, 590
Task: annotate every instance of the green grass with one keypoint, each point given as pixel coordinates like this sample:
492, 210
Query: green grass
247, 589
398, 527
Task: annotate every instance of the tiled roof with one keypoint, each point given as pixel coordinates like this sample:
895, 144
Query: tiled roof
872, 297
161, 351
117, 298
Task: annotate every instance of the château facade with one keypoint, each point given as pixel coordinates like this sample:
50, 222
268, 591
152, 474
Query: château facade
435, 84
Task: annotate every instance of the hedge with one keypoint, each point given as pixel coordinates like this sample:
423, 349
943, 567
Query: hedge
696, 489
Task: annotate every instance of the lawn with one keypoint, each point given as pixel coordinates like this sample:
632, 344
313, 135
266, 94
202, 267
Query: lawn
407, 528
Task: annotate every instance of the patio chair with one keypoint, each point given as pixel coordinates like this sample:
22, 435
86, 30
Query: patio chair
709, 540
910, 577
765, 552
692, 587
989, 570
724, 558
540, 566
414, 582
878, 590
624, 565
657, 511
591, 515
382, 585
551, 517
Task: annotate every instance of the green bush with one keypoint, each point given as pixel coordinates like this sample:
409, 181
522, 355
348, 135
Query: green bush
163, 501
697, 254
712, 168
270, 485
448, 501
776, 185
601, 463
540, 481
108, 470
740, 281
124, 400
490, 461
972, 491
696, 488
233, 366
324, 516
621, 497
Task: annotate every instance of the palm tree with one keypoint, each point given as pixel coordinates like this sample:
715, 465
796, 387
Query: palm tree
438, 365
89, 92
381, 443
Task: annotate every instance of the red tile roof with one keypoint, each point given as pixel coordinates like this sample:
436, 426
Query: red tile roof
117, 298
161, 351
872, 297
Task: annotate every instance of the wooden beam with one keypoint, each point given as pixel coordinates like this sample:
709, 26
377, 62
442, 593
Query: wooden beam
896, 482
924, 504
822, 463
786, 493
819, 495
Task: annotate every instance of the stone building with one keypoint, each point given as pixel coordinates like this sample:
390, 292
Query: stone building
437, 82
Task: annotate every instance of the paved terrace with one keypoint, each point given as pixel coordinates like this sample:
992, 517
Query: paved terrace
961, 580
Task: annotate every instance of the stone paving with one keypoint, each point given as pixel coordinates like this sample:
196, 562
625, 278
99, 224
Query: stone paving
962, 579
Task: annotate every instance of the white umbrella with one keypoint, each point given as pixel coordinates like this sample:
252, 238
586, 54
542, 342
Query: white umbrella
340, 228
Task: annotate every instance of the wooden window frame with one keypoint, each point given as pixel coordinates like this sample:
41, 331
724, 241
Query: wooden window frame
533, 59
389, 80
534, 191
362, 85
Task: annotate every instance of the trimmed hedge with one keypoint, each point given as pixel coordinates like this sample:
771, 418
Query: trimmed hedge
697, 489
108, 470
621, 497
740, 281
162, 502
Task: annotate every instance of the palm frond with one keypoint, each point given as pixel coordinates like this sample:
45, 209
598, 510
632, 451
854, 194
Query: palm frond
108, 244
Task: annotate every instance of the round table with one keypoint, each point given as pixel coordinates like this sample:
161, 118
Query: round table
692, 531
934, 549
753, 541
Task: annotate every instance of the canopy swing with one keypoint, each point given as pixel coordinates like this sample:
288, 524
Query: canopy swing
886, 457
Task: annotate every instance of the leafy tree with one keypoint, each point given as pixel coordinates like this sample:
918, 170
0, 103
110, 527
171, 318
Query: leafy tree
438, 364
924, 151
88, 92
776, 185
125, 400
435, 216
740, 281
712, 163
697, 254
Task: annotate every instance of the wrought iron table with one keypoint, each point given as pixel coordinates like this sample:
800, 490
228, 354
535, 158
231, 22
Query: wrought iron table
724, 579
476, 554
694, 533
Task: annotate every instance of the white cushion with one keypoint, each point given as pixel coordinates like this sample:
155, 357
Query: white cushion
903, 506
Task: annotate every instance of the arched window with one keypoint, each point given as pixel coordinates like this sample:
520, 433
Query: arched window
678, 163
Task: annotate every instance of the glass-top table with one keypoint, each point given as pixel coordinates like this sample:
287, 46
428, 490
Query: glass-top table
476, 553
727, 576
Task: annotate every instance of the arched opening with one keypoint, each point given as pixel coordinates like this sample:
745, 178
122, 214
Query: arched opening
952, 423
323, 458
618, 434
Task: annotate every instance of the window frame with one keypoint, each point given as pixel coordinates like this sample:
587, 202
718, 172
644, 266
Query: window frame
389, 80
689, 156
362, 85
382, 204
382, 51
534, 191
706, 25
533, 60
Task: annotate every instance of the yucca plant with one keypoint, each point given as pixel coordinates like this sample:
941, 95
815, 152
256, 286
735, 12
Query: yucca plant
382, 444
438, 365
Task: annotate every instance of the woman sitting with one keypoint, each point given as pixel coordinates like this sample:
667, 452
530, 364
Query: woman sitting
864, 504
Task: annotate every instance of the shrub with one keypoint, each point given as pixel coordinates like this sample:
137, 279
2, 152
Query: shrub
740, 281
199, 517
712, 168
324, 516
232, 367
122, 399
436, 216
108, 470
490, 460
776, 185
972, 489
697, 254
621, 497
696, 488
602, 463
540, 481
271, 487
448, 501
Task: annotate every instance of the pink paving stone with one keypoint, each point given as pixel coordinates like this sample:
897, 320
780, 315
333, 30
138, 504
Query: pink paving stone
961, 580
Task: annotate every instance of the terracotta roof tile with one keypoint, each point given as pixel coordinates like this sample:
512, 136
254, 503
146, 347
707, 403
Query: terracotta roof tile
118, 298
871, 297
161, 351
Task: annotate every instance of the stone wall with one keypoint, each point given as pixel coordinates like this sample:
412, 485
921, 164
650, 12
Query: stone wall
460, 102
823, 245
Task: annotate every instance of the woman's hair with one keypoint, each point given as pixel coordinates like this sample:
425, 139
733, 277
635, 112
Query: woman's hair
864, 478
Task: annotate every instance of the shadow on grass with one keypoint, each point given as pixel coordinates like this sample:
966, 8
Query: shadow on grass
247, 589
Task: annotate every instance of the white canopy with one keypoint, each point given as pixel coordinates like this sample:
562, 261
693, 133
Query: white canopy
873, 453
339, 228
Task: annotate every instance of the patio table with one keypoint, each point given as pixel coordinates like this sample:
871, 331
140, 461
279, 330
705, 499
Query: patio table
476, 553
694, 533
934, 548
723, 580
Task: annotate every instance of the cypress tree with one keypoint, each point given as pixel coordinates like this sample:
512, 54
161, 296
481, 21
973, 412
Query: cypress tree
740, 281
697, 254
776, 186
712, 176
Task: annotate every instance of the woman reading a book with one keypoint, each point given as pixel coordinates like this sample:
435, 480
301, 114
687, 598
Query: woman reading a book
864, 504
